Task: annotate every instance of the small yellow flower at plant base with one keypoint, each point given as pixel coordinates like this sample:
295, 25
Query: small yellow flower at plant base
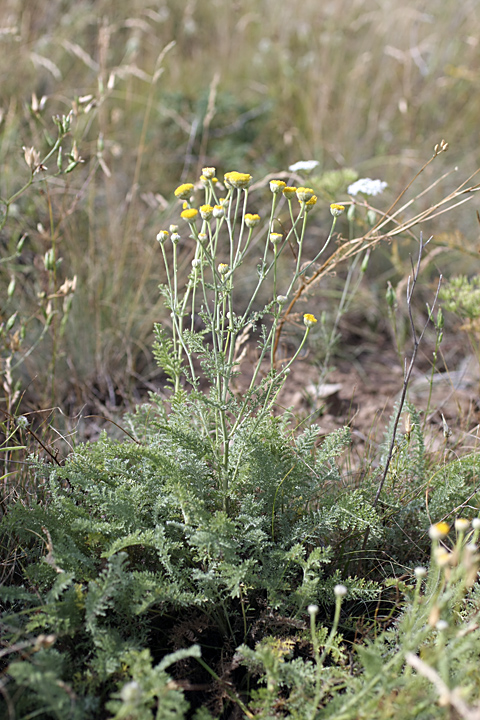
276, 186
223, 268
252, 220
208, 172
337, 209
289, 192
189, 215
439, 530
184, 191
237, 180
304, 194
206, 211
162, 236
309, 320
275, 238
311, 203
218, 211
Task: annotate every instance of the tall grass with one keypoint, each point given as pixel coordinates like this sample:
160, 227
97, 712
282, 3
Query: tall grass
257, 86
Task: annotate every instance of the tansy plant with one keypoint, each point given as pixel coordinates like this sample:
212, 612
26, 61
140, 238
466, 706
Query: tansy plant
223, 233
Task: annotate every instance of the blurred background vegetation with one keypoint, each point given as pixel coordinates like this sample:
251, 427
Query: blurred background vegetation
160, 89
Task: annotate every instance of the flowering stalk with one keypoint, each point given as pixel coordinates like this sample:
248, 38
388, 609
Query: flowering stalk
215, 302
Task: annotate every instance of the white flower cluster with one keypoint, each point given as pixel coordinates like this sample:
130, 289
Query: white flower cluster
303, 165
367, 186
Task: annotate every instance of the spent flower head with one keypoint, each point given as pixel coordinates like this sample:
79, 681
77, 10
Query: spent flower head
183, 191
237, 180
282, 299
461, 525
175, 238
340, 590
208, 172
218, 211
162, 236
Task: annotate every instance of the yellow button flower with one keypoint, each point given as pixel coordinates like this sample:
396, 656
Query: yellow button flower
184, 191
276, 186
309, 320
304, 194
289, 192
189, 215
337, 209
206, 211
252, 220
237, 180
439, 530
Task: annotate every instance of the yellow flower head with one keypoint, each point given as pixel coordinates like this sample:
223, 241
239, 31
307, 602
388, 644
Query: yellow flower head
336, 209
237, 180
251, 220
223, 268
309, 320
304, 194
275, 238
289, 192
311, 203
276, 186
439, 530
184, 191
206, 211
189, 214
218, 211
